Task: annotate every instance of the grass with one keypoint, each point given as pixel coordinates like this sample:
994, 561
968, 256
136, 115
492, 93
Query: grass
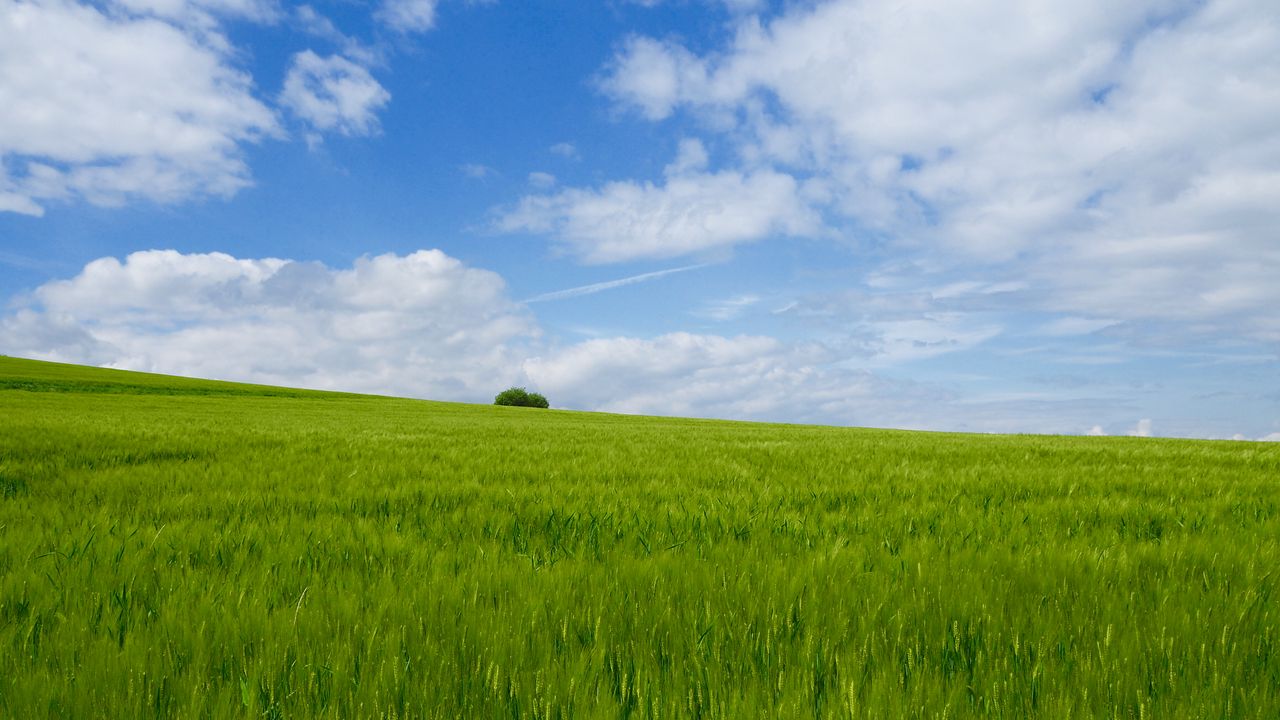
182, 548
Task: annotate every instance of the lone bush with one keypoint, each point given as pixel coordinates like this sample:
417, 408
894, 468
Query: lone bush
520, 397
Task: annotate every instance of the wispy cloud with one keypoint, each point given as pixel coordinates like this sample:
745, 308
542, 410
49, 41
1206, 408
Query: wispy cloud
610, 284
728, 308
542, 180
26, 262
565, 150
477, 171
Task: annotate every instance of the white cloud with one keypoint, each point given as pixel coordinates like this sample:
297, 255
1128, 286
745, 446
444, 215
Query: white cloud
423, 324
310, 21
108, 106
1068, 326
413, 16
1096, 431
1124, 159
1141, 429
742, 377
204, 12
477, 171
1273, 437
426, 325
888, 328
542, 180
691, 157
408, 15
929, 335
691, 212
333, 94
738, 6
565, 150
728, 308
654, 76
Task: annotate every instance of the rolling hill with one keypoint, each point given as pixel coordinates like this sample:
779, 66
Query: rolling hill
172, 547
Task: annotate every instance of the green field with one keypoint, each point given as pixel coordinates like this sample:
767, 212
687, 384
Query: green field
182, 548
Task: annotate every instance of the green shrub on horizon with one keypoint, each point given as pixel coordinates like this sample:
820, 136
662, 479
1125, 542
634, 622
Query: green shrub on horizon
519, 397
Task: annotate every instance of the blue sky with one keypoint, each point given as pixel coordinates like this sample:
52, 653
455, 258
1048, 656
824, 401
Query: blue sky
977, 216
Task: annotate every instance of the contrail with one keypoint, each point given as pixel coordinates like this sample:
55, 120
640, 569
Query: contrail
609, 285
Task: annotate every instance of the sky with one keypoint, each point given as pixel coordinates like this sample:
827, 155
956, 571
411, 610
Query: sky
1032, 217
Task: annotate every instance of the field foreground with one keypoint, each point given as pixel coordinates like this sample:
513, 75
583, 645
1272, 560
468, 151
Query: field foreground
183, 548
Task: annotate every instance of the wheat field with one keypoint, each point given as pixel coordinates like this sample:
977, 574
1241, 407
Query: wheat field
177, 548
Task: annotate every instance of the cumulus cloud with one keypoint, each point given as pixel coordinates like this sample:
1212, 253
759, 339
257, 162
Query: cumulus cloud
748, 377
408, 15
146, 99
565, 150
427, 325
1141, 429
310, 21
690, 212
1123, 159
204, 12
333, 94
654, 76
743, 377
423, 324
542, 180
112, 106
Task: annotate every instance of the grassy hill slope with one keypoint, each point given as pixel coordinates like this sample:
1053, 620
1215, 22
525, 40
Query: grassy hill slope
182, 548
